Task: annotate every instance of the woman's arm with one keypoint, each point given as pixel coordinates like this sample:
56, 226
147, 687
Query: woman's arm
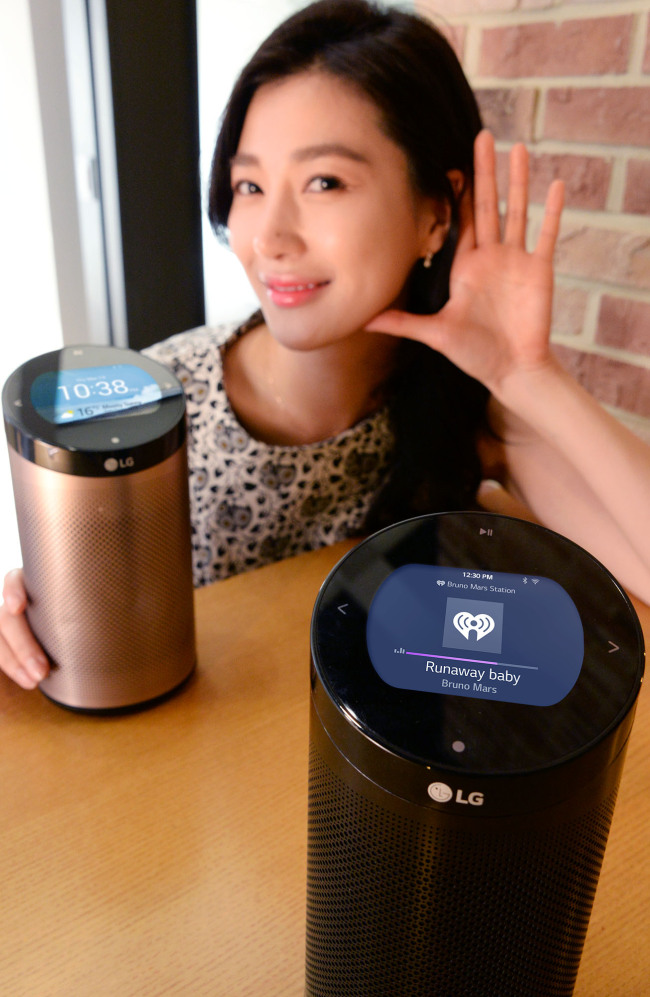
578, 470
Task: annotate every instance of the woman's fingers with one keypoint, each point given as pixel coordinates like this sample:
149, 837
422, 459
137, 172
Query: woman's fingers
21, 656
486, 195
548, 234
517, 207
486, 200
13, 591
406, 325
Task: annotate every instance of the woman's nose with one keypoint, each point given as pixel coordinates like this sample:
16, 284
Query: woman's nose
278, 233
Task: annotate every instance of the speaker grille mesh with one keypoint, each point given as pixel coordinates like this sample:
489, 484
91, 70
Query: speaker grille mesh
396, 908
107, 562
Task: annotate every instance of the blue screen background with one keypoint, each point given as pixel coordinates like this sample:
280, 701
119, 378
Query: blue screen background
77, 395
487, 635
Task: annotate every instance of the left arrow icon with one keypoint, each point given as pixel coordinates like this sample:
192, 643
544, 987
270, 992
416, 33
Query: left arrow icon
343, 608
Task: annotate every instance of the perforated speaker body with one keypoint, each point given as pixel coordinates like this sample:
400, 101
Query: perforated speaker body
456, 832
103, 516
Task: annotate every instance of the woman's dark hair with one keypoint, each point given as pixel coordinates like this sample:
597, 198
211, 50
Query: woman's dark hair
409, 70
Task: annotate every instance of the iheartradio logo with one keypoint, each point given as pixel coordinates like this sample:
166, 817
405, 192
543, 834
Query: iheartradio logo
480, 625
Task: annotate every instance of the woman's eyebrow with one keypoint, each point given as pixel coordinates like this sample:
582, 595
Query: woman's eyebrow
244, 159
329, 149
305, 154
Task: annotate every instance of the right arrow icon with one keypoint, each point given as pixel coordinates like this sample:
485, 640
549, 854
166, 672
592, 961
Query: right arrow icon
613, 648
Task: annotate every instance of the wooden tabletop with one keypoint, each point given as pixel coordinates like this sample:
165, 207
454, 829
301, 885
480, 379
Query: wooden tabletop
164, 852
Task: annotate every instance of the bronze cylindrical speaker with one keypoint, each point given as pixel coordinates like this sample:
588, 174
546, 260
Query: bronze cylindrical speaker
474, 680
97, 449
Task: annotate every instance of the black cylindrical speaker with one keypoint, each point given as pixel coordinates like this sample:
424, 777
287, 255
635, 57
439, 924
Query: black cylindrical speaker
97, 447
474, 679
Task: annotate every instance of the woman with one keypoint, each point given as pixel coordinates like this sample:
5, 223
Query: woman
401, 354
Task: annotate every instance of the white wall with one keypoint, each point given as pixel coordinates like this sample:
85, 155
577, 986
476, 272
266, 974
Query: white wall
29, 307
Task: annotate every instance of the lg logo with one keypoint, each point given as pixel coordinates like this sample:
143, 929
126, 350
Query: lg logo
112, 464
442, 793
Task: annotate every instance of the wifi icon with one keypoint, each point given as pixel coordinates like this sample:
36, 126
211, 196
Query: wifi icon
534, 581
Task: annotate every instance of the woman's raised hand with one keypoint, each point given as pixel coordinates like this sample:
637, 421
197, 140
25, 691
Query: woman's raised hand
498, 318
21, 656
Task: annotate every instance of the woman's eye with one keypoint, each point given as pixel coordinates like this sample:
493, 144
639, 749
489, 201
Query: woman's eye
246, 187
318, 184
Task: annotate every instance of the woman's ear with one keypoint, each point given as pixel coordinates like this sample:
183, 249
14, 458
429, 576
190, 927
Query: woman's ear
440, 215
438, 229
458, 182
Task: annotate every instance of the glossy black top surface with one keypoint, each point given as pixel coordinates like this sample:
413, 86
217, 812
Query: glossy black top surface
477, 642
73, 409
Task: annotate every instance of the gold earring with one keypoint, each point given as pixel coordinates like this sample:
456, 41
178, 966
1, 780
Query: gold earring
426, 263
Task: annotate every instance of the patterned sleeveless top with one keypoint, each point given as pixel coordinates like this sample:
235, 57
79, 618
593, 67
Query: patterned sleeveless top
251, 502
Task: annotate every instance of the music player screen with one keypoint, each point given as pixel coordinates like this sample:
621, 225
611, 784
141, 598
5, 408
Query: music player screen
483, 634
77, 395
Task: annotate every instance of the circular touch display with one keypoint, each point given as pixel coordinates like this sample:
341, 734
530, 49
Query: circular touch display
477, 642
93, 410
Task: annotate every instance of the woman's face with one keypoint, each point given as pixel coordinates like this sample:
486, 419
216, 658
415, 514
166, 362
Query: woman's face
324, 218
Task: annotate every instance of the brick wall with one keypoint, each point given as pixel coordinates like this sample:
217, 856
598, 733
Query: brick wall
571, 78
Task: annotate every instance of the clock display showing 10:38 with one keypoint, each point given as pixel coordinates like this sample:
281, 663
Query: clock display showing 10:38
81, 390
80, 394
109, 390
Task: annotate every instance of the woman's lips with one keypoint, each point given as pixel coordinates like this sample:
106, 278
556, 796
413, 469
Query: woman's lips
291, 292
